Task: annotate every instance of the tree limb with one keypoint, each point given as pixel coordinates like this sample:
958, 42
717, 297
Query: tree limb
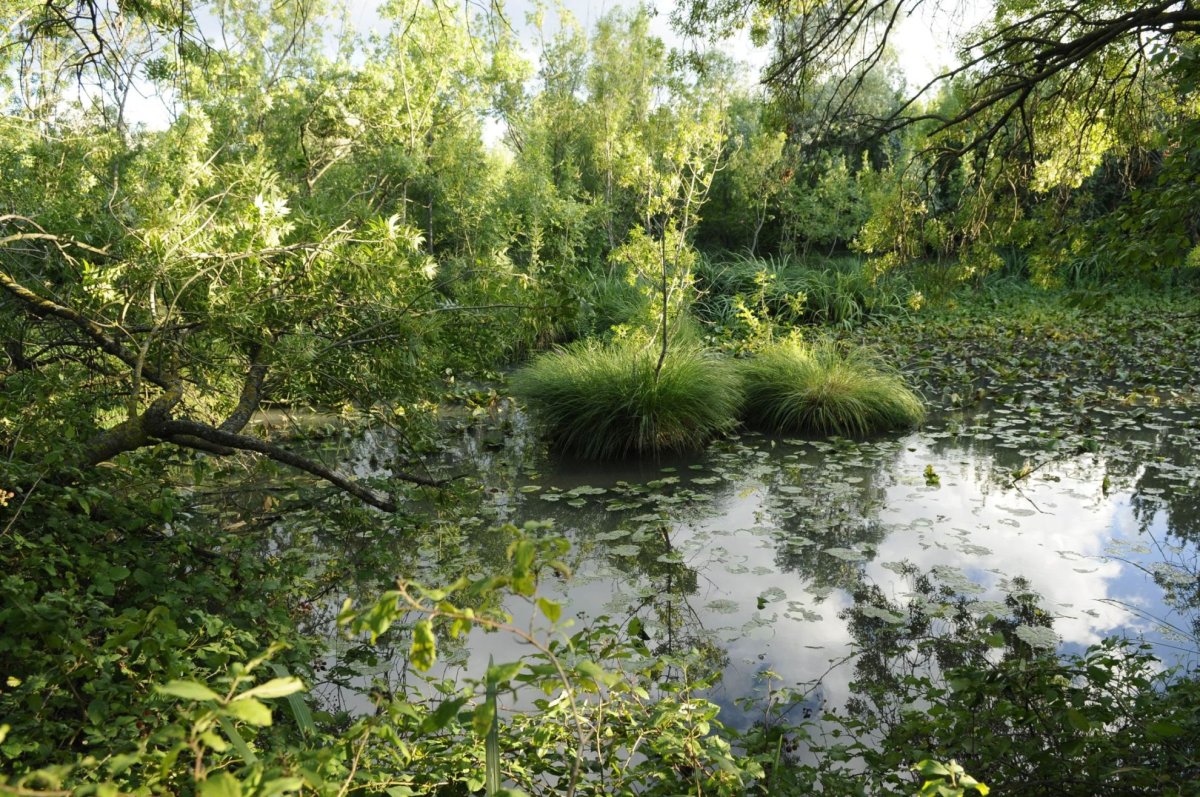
180, 431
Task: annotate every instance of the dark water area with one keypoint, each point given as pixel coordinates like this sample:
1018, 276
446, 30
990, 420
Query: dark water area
753, 551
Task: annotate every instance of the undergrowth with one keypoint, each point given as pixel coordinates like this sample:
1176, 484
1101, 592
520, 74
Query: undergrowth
836, 291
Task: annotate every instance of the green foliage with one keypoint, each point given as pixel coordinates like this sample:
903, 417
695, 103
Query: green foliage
608, 301
606, 400
937, 680
794, 386
90, 632
1108, 721
596, 720
334, 222
750, 296
827, 211
946, 780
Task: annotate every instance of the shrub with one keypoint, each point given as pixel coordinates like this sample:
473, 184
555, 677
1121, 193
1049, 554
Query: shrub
797, 387
603, 400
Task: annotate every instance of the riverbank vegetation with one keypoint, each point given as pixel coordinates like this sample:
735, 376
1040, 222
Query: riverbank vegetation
217, 216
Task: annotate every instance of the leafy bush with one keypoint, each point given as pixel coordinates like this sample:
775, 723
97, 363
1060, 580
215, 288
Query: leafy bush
215, 718
796, 387
606, 400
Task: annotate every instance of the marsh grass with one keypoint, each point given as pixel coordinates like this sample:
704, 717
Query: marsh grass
602, 401
799, 387
607, 301
835, 291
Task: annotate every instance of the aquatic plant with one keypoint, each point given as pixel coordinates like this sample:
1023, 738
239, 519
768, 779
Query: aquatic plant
602, 401
794, 386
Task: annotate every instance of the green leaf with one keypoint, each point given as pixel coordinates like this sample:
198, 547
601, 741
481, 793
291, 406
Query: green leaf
492, 744
239, 744
250, 711
1163, 730
442, 715
221, 784
482, 718
550, 608
187, 690
299, 708
1078, 721
278, 786
423, 652
214, 742
591, 669
968, 782
276, 687
502, 673
931, 769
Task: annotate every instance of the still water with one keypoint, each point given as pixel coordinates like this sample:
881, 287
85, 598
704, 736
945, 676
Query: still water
754, 550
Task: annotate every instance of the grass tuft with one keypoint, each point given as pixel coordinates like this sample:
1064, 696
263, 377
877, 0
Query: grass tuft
601, 401
797, 387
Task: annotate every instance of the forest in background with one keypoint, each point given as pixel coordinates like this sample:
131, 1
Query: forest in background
323, 223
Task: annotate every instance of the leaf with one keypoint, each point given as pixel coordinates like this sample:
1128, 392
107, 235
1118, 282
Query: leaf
221, 784
483, 716
299, 708
968, 782
492, 744
1037, 636
499, 674
250, 711
442, 715
591, 669
423, 652
239, 744
551, 609
1163, 729
1078, 721
278, 786
187, 690
276, 687
931, 769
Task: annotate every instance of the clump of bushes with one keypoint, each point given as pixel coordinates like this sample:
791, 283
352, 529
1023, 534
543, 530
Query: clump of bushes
799, 387
602, 401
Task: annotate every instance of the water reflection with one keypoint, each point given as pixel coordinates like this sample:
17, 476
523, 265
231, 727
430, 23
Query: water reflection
755, 553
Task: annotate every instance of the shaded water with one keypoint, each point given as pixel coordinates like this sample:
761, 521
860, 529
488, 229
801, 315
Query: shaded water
752, 552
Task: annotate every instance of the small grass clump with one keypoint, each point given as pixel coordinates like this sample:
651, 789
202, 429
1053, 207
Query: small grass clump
797, 387
602, 401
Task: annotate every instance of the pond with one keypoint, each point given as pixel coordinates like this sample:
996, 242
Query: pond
754, 551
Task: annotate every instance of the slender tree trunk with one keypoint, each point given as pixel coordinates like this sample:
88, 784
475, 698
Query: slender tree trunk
762, 219
662, 352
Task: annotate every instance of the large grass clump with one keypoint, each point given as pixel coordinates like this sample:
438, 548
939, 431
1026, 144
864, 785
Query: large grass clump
602, 401
799, 387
